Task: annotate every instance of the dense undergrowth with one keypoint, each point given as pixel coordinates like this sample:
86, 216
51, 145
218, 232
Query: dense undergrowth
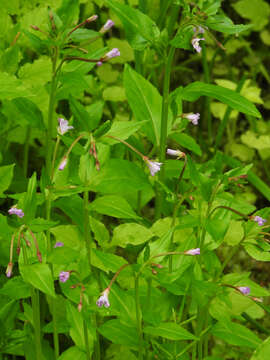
134, 172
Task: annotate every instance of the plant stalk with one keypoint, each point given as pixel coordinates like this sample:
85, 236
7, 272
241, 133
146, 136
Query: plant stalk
138, 317
163, 130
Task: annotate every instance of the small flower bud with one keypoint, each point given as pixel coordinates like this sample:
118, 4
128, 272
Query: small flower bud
177, 153
193, 252
245, 290
92, 18
63, 163
9, 269
80, 306
107, 26
58, 244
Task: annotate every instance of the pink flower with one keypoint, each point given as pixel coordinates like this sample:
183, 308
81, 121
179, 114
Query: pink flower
196, 44
111, 54
193, 252
259, 220
63, 164
245, 290
64, 276
177, 153
58, 244
107, 26
63, 126
193, 118
153, 166
15, 211
103, 299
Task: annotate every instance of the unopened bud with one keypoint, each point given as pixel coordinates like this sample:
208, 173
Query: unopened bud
92, 18
80, 306
9, 269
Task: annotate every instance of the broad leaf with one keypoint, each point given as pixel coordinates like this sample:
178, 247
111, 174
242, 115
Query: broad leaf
130, 233
263, 351
6, 174
40, 276
114, 206
140, 29
119, 333
236, 101
169, 331
235, 334
145, 102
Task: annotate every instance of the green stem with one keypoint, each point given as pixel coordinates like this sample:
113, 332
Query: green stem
36, 319
164, 5
26, 150
49, 147
36, 312
86, 340
163, 129
87, 231
138, 317
143, 5
255, 323
54, 155
207, 111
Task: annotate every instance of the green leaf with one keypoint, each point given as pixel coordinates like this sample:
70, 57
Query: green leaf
73, 208
11, 87
122, 130
69, 11
257, 11
84, 34
6, 175
196, 89
169, 331
114, 206
76, 331
224, 24
114, 93
145, 102
235, 233
119, 333
187, 142
106, 261
30, 199
63, 255
263, 351
256, 252
40, 224
183, 37
72, 353
16, 289
80, 114
40, 276
140, 29
235, 334
130, 233
30, 112
119, 176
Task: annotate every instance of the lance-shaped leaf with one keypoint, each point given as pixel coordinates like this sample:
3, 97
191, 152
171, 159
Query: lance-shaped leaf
140, 29
236, 101
145, 102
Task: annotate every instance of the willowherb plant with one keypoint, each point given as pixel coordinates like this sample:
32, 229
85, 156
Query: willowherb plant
105, 209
